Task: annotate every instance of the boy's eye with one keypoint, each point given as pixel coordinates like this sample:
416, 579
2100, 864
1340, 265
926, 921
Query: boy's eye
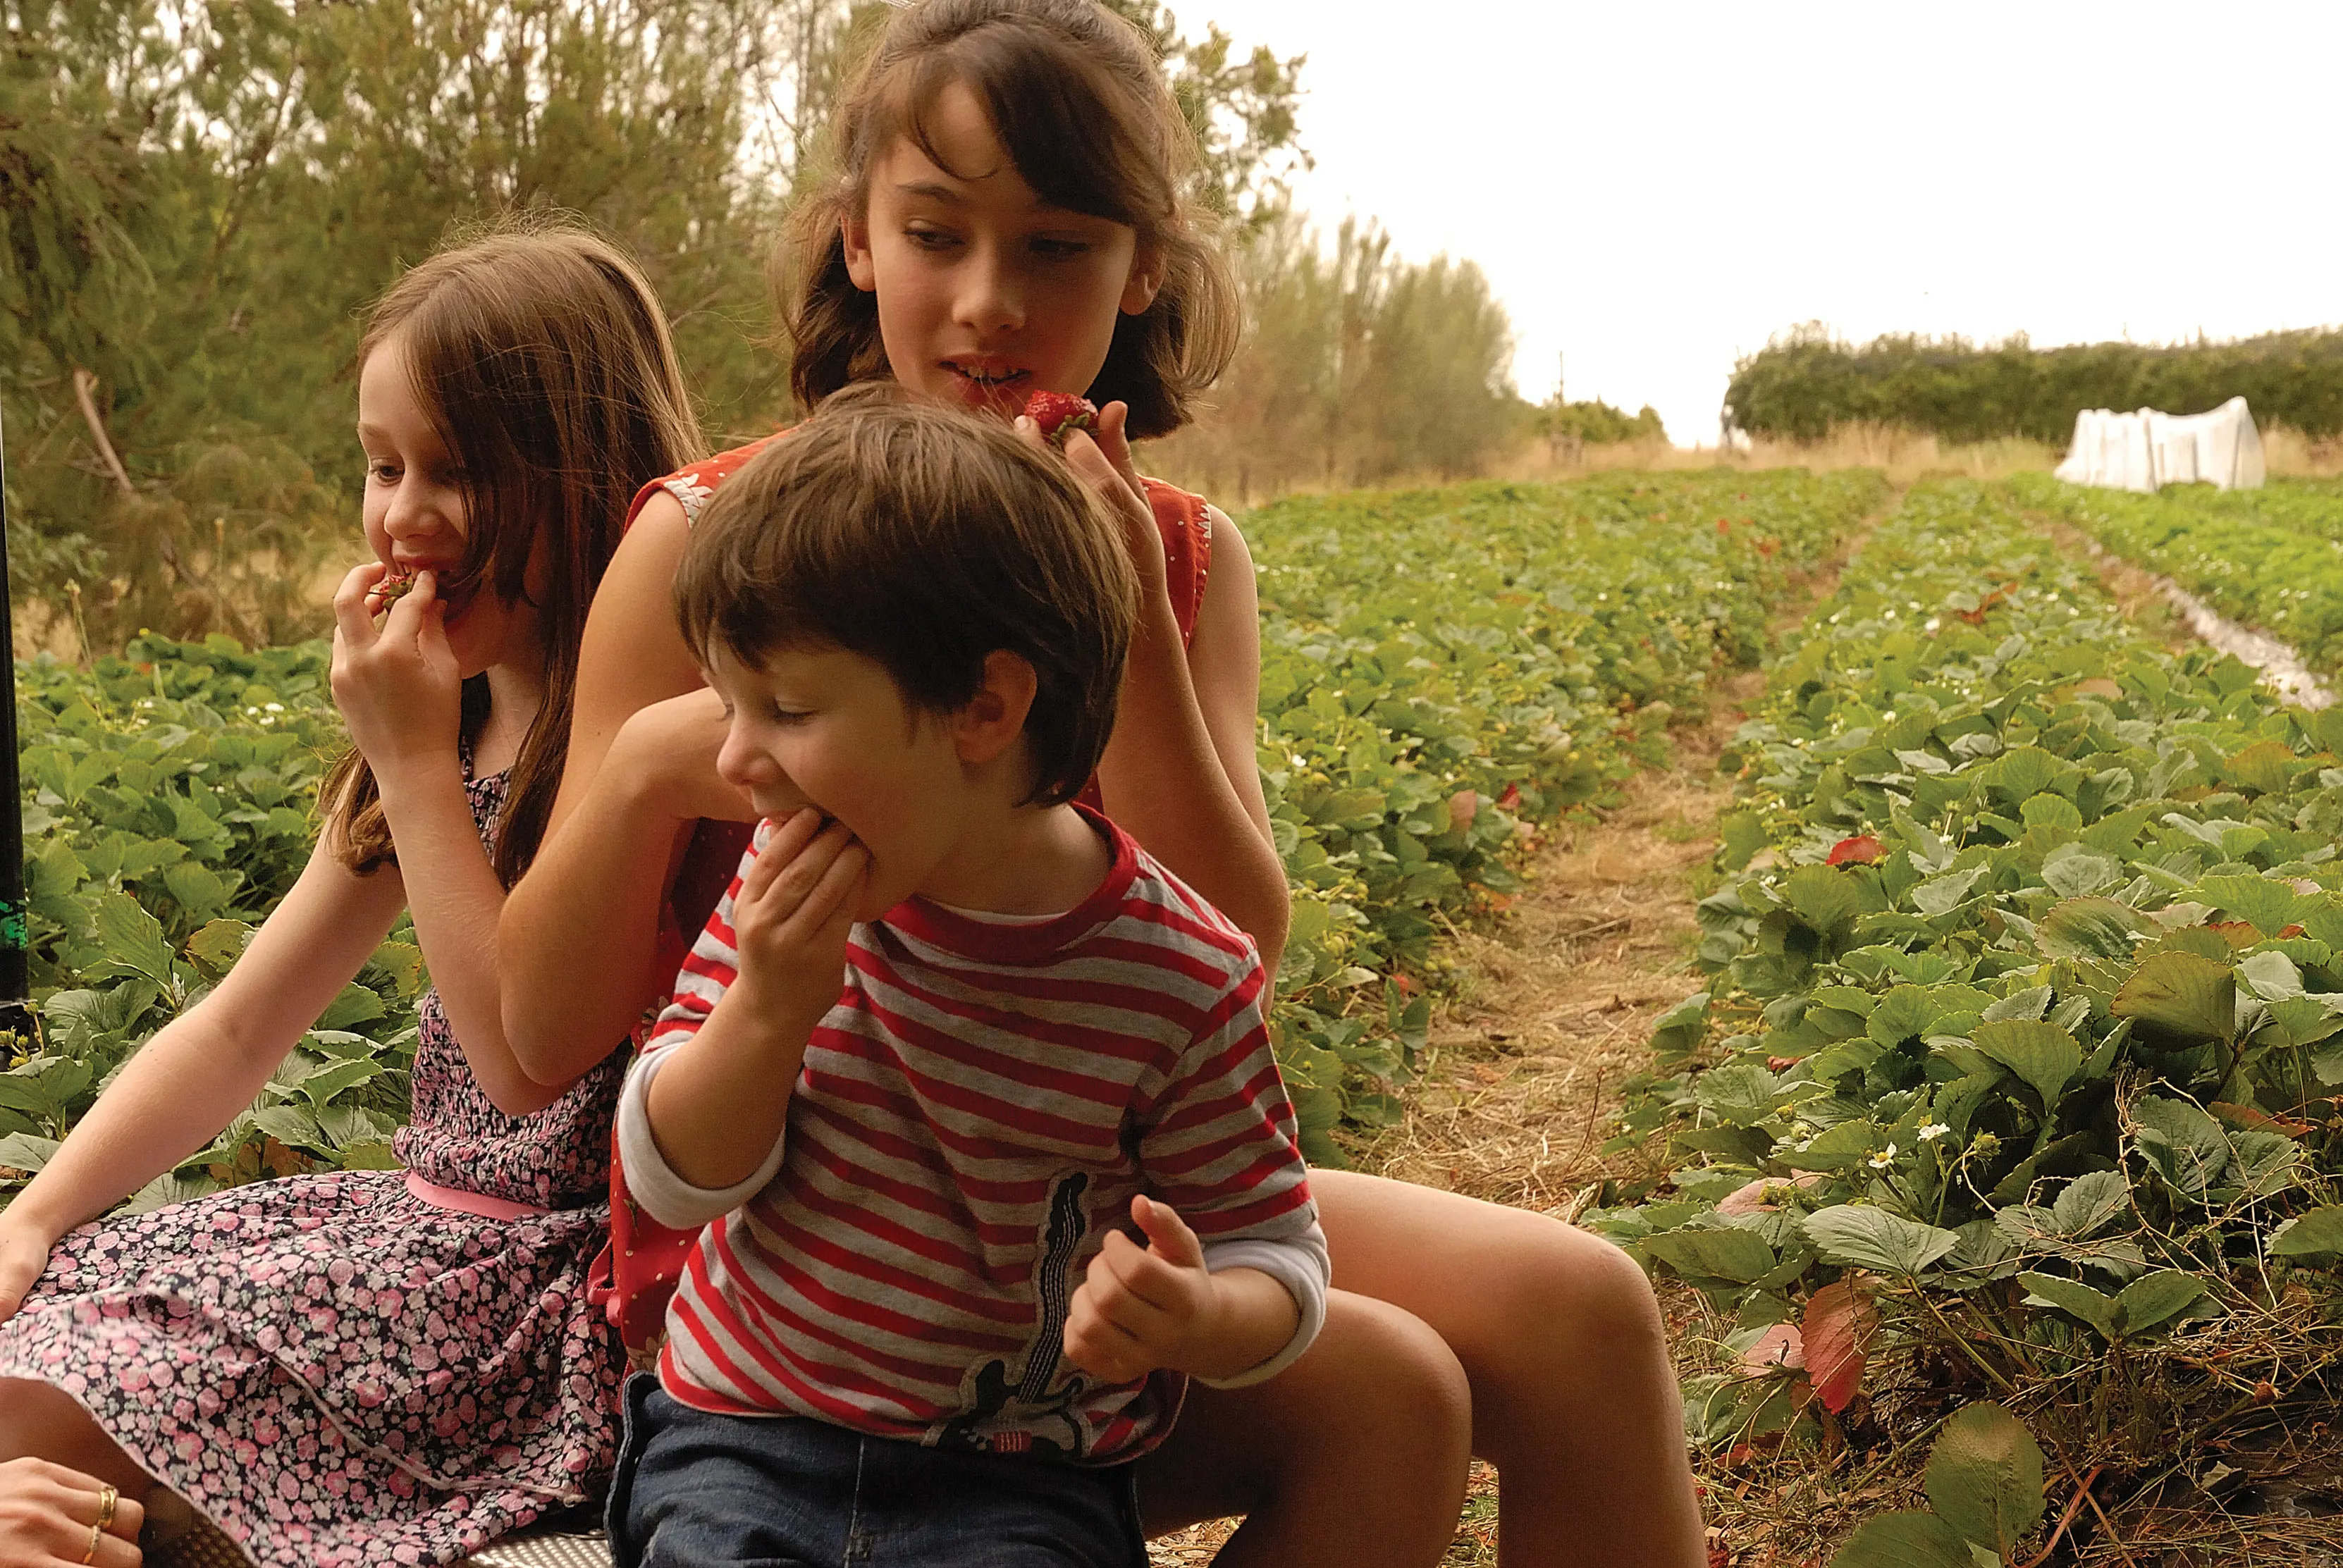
788, 715
931, 239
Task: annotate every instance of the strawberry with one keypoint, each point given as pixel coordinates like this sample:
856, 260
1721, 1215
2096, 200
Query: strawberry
392, 588
1060, 414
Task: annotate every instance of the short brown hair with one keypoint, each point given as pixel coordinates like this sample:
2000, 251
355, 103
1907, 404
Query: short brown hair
923, 538
544, 361
1075, 95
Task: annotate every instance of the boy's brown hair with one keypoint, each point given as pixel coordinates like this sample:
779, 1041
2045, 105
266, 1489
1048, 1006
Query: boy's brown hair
926, 538
543, 359
1077, 98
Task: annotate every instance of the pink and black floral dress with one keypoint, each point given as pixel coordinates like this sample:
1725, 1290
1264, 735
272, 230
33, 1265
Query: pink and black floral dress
362, 1366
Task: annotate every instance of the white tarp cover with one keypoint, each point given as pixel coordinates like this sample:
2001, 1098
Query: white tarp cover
2146, 451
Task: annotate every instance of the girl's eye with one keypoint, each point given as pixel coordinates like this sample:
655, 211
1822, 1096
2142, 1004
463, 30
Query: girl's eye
931, 239
1061, 250
386, 473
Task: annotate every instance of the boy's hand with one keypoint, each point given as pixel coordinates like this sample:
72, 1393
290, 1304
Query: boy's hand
1139, 1310
791, 922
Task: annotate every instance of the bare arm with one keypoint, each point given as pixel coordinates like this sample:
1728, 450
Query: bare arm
1180, 774
580, 934
205, 1067
400, 693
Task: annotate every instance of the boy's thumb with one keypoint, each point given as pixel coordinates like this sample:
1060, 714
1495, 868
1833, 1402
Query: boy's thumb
1167, 1235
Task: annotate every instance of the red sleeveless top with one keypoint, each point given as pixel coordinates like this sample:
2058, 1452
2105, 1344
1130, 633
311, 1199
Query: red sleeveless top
645, 1256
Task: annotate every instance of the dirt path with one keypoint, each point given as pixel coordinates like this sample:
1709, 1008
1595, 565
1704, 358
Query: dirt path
1554, 1011
1557, 1000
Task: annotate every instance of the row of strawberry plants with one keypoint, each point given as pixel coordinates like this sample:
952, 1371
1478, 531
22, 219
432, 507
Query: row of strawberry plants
169, 801
2272, 557
1440, 667
2016, 1075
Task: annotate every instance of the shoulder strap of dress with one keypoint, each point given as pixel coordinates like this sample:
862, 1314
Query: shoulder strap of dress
692, 486
1185, 522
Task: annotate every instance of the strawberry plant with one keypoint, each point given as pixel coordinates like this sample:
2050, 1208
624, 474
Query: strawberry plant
1440, 667
2025, 1020
169, 804
2272, 559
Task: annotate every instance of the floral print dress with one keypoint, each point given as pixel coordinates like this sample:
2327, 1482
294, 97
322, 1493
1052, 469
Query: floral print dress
349, 1367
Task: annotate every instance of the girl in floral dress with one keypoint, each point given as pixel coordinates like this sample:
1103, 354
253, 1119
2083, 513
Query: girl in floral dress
376, 1366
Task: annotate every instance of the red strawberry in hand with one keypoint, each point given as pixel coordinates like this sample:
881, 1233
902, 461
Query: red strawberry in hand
391, 589
1060, 414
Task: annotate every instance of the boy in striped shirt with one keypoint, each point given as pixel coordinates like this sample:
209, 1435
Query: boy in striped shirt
972, 1218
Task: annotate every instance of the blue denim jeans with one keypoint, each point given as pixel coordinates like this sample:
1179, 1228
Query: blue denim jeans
700, 1491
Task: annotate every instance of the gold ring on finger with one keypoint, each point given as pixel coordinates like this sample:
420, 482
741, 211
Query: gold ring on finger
107, 1498
96, 1534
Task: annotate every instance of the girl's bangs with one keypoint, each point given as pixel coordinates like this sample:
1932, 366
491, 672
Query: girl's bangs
1059, 118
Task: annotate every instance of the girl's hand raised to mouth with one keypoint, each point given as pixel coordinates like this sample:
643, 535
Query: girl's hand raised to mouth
398, 684
1102, 455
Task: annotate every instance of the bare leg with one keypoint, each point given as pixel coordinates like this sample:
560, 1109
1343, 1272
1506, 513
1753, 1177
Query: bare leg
41, 1422
1573, 1397
1354, 1457
51, 1454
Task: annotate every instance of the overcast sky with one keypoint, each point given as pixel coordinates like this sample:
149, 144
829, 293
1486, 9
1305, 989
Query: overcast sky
1656, 187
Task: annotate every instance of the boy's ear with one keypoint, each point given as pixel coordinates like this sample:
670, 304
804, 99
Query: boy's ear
994, 718
854, 236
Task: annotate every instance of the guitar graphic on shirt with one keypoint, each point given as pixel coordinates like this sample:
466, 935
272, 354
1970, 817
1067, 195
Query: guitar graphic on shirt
987, 1388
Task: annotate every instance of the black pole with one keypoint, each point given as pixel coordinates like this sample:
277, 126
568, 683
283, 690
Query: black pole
15, 987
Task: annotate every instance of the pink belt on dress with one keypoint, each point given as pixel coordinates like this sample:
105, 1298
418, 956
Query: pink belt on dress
465, 1202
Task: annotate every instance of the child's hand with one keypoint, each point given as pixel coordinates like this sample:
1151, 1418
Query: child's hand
790, 921
1137, 1311
397, 686
1105, 465
671, 746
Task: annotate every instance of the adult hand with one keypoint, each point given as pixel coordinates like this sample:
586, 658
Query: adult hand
670, 747
790, 921
1104, 463
23, 1253
1137, 1309
397, 686
52, 1517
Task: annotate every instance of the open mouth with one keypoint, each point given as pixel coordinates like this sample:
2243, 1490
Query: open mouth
990, 384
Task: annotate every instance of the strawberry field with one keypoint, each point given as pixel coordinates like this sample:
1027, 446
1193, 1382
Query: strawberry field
1996, 1162
1440, 670
2005, 1131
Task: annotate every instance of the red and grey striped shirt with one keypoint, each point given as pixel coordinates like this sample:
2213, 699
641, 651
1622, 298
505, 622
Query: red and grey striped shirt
973, 1116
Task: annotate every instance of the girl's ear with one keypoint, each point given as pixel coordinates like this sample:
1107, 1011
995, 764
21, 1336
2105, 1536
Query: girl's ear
1146, 279
854, 233
994, 718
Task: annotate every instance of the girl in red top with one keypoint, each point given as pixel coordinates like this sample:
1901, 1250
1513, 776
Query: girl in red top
1006, 213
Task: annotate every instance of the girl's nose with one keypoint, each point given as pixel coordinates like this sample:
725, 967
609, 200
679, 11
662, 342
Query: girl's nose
991, 298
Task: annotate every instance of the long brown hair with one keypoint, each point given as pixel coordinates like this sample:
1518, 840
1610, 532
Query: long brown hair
544, 360
1075, 96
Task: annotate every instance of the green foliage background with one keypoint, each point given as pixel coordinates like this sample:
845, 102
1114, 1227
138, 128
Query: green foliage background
199, 199
1804, 382
2025, 1020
